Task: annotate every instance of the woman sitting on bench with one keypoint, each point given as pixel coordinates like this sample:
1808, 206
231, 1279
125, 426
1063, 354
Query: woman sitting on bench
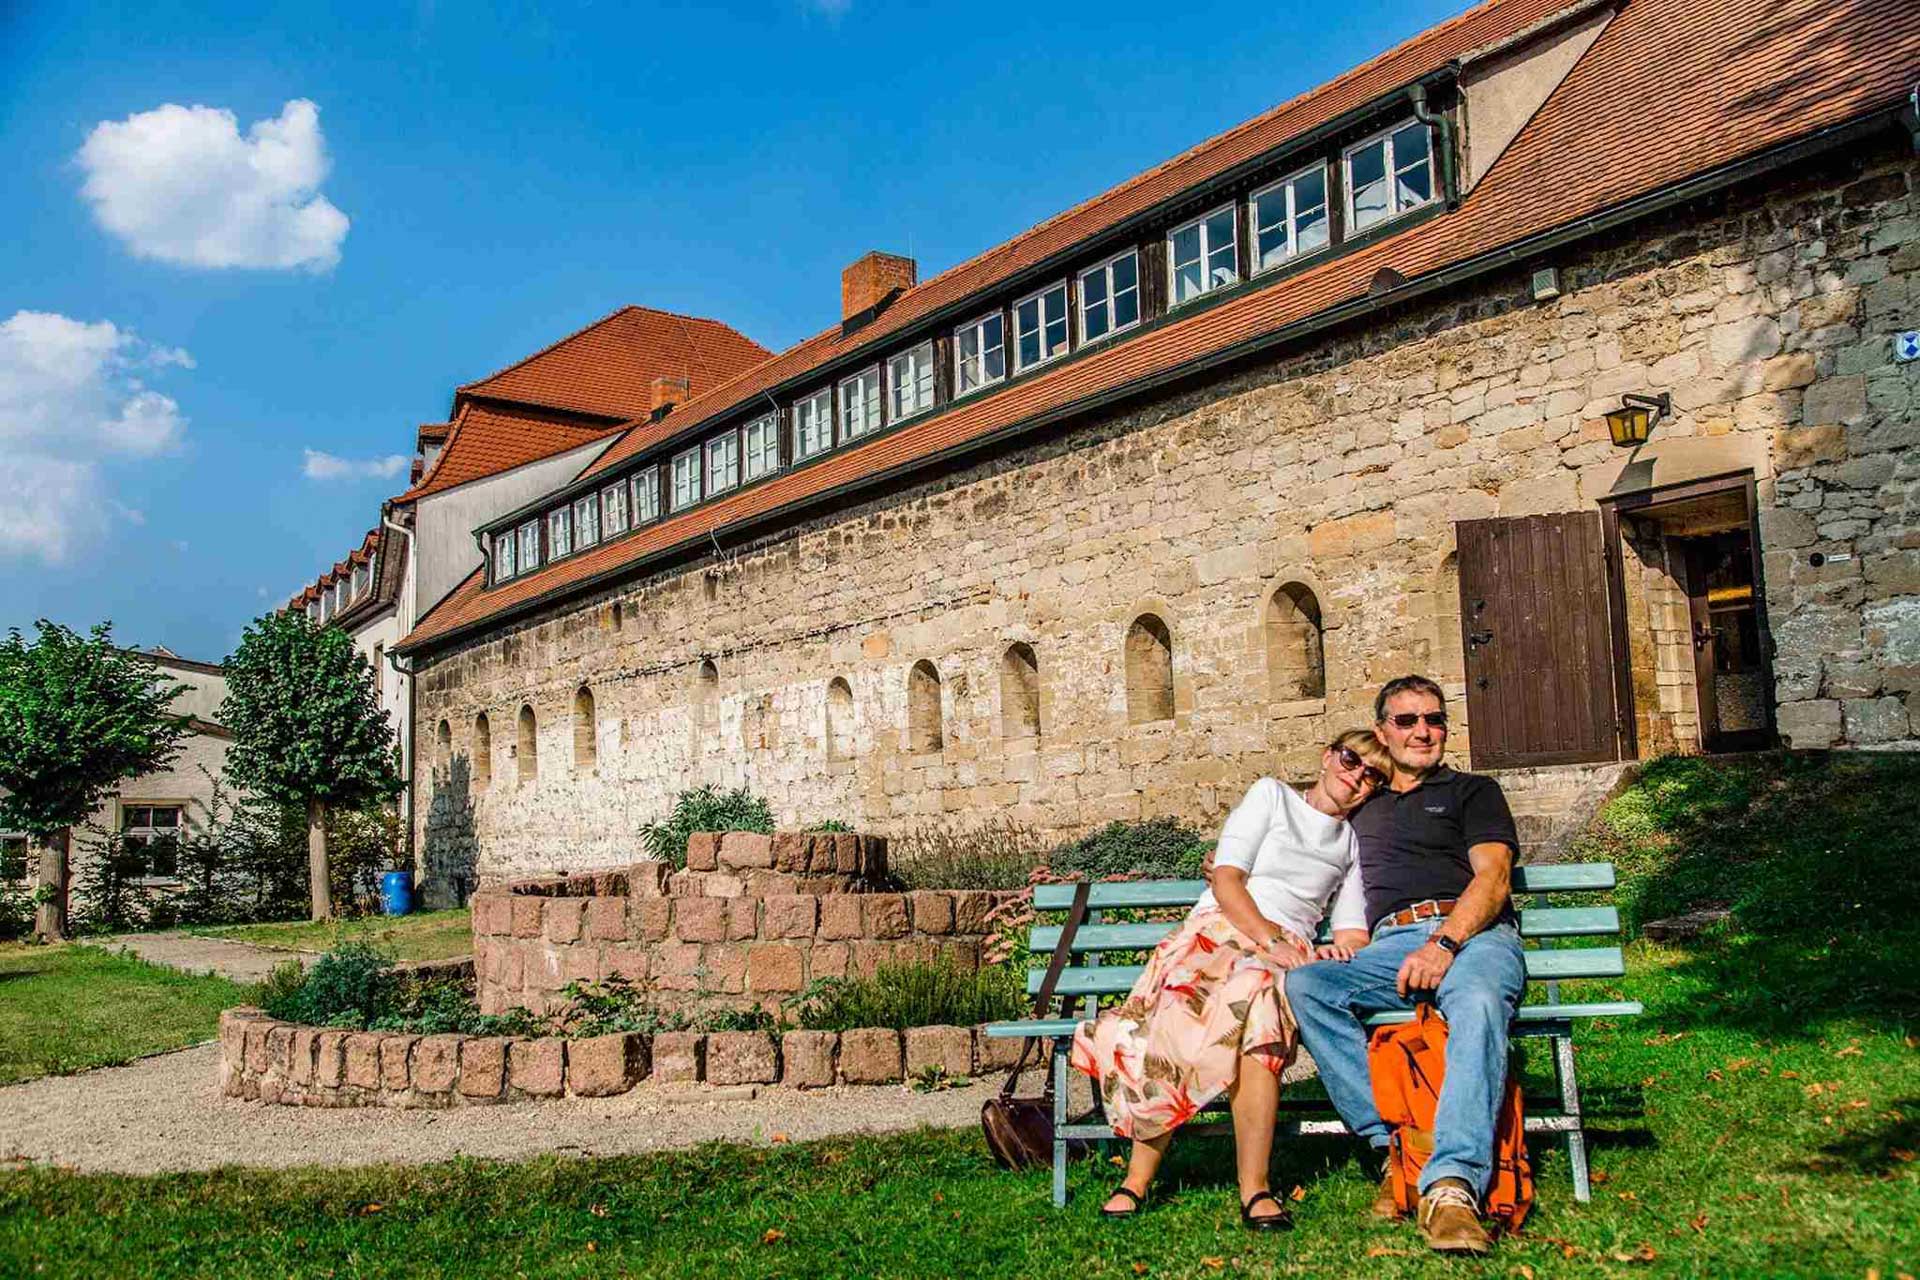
1209, 1014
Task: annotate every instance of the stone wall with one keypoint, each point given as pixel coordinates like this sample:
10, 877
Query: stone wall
1333, 474
266, 1060
723, 934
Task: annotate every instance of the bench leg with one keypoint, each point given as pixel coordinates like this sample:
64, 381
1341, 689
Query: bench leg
1570, 1105
1060, 1111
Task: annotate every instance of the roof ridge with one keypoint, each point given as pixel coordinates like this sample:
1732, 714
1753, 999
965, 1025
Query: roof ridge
439, 459
557, 342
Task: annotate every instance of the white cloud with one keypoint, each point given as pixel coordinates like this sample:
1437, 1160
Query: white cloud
327, 466
179, 184
72, 401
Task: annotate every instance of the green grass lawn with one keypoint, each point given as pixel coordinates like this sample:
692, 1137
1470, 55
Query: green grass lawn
1762, 1119
425, 935
67, 1008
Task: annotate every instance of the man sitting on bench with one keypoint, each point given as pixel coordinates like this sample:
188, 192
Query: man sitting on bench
1436, 854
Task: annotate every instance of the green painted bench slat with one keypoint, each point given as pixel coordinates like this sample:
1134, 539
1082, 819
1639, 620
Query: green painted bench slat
1542, 965
1535, 922
1051, 1028
1551, 877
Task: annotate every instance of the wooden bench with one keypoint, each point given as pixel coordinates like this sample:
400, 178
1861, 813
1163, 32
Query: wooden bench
1548, 931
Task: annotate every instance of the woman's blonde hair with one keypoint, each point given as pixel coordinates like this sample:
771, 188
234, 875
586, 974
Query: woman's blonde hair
1366, 744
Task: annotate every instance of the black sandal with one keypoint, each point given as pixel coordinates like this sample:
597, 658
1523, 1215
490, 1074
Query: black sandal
1130, 1194
1281, 1221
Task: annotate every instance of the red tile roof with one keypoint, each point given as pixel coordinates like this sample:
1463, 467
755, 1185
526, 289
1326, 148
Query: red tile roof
489, 439
1671, 89
608, 367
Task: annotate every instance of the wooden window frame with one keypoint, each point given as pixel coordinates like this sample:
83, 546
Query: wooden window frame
698, 455
612, 498
1290, 219
645, 481
1106, 269
973, 326
560, 532
588, 505
878, 416
1065, 287
820, 403
1207, 250
728, 443
767, 428
1384, 137
521, 567
921, 355
182, 806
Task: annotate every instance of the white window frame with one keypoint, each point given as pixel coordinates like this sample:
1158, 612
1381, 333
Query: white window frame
1066, 317
645, 486
503, 556
560, 532
813, 416
1207, 251
313, 609
761, 454
1291, 218
868, 378
362, 578
527, 532
684, 495
978, 327
588, 507
1394, 208
613, 499
724, 447
1105, 269
918, 363
148, 834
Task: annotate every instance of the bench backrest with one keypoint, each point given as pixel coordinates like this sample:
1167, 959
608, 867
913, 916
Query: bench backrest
1542, 926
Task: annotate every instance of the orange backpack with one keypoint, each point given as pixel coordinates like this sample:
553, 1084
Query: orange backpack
1408, 1061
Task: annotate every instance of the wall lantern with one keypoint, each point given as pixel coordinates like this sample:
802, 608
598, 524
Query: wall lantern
1633, 421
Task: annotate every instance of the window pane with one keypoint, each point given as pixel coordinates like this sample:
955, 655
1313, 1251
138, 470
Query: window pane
686, 479
1310, 190
1026, 328
613, 506
586, 521
1410, 146
503, 557
1126, 291
165, 818
1367, 177
1186, 262
646, 495
1414, 186
1310, 232
529, 550
1222, 266
559, 533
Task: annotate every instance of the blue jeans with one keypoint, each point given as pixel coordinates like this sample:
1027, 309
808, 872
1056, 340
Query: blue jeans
1477, 997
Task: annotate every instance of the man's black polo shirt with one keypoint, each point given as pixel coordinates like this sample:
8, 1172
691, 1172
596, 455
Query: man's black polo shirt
1413, 844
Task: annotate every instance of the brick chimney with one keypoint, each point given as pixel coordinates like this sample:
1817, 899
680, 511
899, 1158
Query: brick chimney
870, 281
668, 392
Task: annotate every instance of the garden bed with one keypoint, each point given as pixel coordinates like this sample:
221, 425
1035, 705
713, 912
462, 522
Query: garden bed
268, 1060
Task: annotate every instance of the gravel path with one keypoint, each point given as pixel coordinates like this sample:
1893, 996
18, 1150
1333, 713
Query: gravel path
240, 961
166, 1113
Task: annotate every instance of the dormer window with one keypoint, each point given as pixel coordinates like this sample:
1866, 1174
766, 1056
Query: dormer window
763, 446
361, 578
860, 404
1290, 218
313, 610
1388, 175
813, 424
586, 522
723, 463
559, 533
1110, 297
527, 553
979, 354
686, 479
503, 555
646, 496
910, 382
1040, 327
1203, 256
613, 510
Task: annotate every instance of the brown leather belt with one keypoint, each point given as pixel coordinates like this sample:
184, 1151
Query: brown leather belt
1431, 909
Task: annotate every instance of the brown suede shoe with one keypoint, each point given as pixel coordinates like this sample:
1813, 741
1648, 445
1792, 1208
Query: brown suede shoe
1385, 1206
1450, 1221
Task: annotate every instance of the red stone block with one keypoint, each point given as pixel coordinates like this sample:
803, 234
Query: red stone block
436, 1063
746, 850
726, 968
742, 1057
846, 852
703, 851
829, 960
279, 1046
775, 968
970, 908
363, 1059
807, 1059
932, 911
564, 917
700, 919
256, 1046
396, 1054
526, 915
743, 919
601, 1066
300, 1056
789, 851
886, 915
538, 1067
679, 1057
330, 1059
675, 966
820, 854
492, 913
607, 919
948, 1048
648, 879
625, 962
791, 916
840, 917
579, 962
873, 857
870, 1055
997, 1052
649, 919
483, 1067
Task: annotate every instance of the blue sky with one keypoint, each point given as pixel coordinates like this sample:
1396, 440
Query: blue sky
502, 176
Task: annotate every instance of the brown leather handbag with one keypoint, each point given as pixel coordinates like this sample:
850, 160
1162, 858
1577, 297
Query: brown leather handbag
1019, 1131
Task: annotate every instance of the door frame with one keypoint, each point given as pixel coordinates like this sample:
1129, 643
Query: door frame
1612, 507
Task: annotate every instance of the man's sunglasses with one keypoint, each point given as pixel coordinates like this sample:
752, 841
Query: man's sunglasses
1408, 719
1350, 759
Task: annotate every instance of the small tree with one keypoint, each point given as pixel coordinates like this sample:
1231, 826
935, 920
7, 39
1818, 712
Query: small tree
307, 728
77, 716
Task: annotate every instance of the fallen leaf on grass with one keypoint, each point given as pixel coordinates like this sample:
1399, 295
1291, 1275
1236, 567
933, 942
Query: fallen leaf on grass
1901, 1154
1645, 1253
1789, 1075
1714, 1075
597, 1210
773, 1236
371, 1208
1698, 1223
1213, 1264
1600, 1176
1628, 1196
1666, 1037
1139, 1268
1524, 1271
1851, 1051
779, 1138
1855, 1105
1386, 1251
592, 1247
1118, 1162
1297, 1194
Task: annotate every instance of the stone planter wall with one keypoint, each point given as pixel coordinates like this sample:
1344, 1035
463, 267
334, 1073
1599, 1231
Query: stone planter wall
753, 920
267, 1060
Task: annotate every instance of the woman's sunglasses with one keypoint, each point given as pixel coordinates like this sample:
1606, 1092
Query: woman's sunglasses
1408, 719
1350, 759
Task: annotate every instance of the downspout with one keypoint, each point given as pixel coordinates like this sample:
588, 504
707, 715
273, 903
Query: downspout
1443, 124
1911, 117
405, 608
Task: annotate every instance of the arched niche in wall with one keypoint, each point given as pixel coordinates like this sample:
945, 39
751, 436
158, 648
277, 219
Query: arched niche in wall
925, 733
527, 749
586, 742
1019, 692
1149, 669
482, 751
1295, 634
839, 719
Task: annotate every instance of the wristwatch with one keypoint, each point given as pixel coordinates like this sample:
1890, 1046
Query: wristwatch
1445, 943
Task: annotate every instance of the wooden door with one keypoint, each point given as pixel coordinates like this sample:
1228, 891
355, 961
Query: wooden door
1533, 619
1700, 623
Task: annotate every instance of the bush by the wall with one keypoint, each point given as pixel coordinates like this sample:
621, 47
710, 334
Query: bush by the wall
910, 995
997, 853
704, 808
349, 986
1157, 848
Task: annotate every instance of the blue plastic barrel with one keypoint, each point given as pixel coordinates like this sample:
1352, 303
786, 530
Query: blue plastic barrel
396, 893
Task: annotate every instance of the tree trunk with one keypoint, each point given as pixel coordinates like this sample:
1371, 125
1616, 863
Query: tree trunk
317, 859
50, 915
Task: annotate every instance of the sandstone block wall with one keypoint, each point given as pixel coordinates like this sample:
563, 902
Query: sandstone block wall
1336, 471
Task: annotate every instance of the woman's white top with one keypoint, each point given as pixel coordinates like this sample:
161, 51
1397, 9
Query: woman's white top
1296, 858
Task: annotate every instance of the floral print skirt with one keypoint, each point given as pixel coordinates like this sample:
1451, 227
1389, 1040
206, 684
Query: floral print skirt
1174, 1044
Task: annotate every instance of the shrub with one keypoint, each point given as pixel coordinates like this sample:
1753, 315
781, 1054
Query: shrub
615, 1004
910, 995
830, 824
704, 808
442, 1006
1157, 848
16, 912
998, 853
349, 986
